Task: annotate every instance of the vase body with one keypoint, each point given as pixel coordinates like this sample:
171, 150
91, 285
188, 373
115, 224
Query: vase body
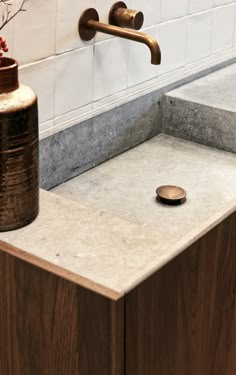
19, 185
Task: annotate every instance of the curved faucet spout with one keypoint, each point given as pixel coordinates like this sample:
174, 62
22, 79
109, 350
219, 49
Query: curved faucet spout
128, 34
154, 48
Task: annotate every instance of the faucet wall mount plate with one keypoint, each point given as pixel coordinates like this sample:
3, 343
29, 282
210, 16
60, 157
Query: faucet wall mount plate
86, 33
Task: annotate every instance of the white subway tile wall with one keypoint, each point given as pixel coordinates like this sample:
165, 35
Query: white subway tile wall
67, 16
150, 8
174, 48
40, 77
74, 78
235, 28
34, 31
223, 28
103, 7
171, 9
199, 5
221, 2
199, 36
110, 67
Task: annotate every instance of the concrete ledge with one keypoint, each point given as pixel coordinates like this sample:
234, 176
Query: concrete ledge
69, 153
199, 123
204, 110
74, 150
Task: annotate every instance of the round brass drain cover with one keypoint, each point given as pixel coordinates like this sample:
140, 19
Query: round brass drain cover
171, 195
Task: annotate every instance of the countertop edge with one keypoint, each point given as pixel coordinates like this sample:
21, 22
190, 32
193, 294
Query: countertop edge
186, 242
59, 271
113, 294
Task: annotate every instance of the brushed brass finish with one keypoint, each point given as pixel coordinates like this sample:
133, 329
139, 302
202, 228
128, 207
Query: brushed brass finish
123, 17
94, 25
171, 195
85, 32
19, 186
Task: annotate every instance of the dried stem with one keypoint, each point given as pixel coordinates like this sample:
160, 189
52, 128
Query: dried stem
8, 16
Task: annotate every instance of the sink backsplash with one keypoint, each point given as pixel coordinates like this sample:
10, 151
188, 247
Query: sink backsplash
88, 104
76, 149
75, 82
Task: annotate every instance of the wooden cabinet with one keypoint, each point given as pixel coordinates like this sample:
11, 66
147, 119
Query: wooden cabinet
180, 321
50, 326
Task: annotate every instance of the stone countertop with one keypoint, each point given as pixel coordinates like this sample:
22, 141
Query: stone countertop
215, 90
106, 231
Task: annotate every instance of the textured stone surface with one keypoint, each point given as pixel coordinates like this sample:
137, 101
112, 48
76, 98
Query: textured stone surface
112, 232
69, 153
204, 110
125, 186
79, 148
215, 90
199, 123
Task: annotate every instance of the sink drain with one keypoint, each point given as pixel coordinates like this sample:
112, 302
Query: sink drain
171, 195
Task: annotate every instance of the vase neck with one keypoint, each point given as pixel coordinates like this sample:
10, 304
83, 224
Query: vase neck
8, 75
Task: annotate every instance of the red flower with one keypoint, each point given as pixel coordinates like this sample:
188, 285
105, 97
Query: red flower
3, 46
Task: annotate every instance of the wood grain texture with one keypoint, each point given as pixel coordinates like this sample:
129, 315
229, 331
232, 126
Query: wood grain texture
60, 271
50, 326
182, 320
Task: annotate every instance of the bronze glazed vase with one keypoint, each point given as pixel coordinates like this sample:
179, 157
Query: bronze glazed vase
19, 186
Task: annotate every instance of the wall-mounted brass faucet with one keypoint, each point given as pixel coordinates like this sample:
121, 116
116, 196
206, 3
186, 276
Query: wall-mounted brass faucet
119, 17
